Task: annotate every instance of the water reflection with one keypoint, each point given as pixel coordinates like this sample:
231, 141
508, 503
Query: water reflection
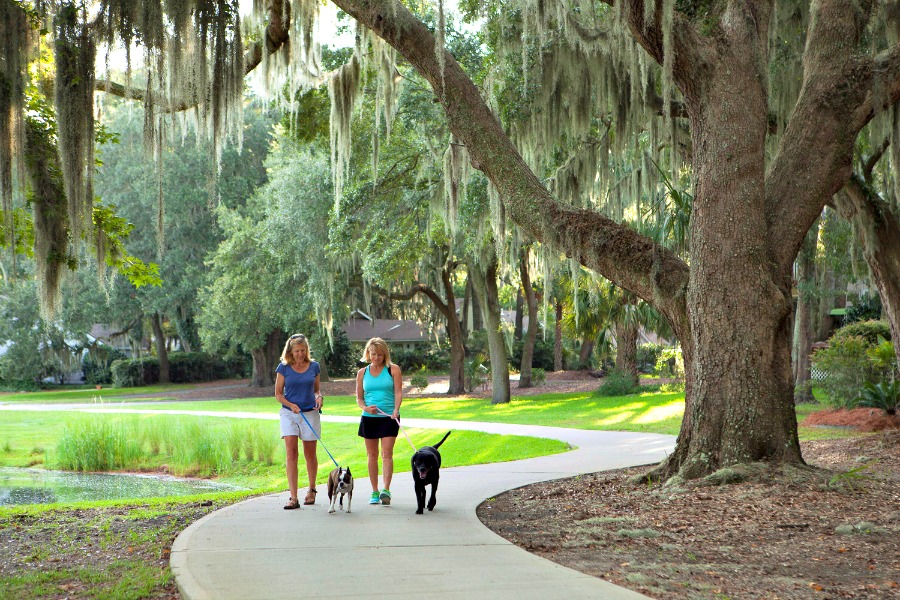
37, 486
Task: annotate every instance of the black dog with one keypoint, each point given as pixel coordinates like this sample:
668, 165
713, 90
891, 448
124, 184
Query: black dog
426, 464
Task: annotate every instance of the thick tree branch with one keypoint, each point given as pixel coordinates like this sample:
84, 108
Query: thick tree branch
814, 159
632, 261
427, 290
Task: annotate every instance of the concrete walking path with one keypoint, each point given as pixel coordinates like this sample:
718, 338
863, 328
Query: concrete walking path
255, 549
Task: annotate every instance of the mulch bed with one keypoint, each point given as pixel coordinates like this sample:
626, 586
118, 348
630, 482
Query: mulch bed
830, 532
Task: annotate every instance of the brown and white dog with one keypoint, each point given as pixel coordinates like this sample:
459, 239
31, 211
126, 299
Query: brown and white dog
340, 482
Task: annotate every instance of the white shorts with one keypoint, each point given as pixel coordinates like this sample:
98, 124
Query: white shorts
293, 424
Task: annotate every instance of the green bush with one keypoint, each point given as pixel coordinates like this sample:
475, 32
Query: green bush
435, 360
188, 367
18, 385
96, 365
648, 357
846, 367
340, 358
419, 380
134, 372
884, 395
866, 308
184, 367
870, 331
670, 363
538, 376
476, 372
542, 357
618, 383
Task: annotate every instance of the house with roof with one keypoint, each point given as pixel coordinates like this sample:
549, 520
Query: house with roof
401, 334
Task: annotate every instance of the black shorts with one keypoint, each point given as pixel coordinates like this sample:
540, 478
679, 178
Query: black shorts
375, 428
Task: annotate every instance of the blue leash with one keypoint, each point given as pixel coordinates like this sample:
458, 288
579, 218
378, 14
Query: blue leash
320, 439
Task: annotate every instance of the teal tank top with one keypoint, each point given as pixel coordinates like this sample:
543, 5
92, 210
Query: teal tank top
378, 391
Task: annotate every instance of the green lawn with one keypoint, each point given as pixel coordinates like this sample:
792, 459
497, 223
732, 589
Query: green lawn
219, 446
91, 395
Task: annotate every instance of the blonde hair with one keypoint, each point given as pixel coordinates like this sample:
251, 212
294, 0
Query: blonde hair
376, 343
298, 339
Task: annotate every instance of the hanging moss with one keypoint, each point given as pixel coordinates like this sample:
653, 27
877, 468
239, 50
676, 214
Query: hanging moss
343, 90
15, 39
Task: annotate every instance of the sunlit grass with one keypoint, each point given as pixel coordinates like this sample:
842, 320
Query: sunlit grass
202, 446
92, 395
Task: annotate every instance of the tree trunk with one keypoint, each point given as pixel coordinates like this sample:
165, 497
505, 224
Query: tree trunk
161, 352
520, 306
557, 338
531, 334
485, 282
803, 332
584, 355
465, 322
626, 349
739, 303
265, 359
879, 230
455, 334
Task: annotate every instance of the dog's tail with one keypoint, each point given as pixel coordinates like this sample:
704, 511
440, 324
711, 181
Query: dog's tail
438, 445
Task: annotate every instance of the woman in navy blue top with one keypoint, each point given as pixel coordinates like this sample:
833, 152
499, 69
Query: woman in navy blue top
297, 389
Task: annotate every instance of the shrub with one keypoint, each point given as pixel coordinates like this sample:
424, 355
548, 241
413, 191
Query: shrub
538, 376
419, 380
870, 331
18, 385
340, 357
670, 363
434, 359
648, 357
542, 357
885, 396
134, 372
184, 367
188, 367
476, 372
96, 365
846, 367
866, 308
618, 383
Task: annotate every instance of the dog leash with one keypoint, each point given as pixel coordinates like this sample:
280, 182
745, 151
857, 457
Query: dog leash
400, 426
320, 439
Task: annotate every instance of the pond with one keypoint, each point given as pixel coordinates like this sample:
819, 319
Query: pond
37, 486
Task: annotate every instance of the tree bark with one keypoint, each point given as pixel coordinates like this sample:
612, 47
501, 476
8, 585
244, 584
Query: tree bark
879, 230
584, 355
531, 333
557, 338
265, 359
626, 349
484, 278
803, 326
161, 353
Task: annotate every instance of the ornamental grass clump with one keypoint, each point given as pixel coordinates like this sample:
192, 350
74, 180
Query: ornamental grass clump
97, 445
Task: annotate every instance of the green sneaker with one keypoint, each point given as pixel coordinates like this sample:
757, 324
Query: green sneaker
385, 497
375, 499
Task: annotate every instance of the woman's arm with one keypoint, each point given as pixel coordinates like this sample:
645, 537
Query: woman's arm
360, 394
279, 394
398, 389
319, 399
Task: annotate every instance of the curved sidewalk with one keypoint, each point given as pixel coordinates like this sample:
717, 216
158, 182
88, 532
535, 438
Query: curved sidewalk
256, 550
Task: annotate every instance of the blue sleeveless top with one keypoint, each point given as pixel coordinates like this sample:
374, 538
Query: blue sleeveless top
378, 391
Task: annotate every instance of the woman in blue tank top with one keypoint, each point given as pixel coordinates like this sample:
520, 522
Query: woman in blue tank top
379, 395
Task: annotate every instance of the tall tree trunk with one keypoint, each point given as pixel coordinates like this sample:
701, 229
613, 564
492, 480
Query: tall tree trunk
557, 338
626, 349
803, 330
455, 334
265, 359
531, 333
484, 279
466, 322
738, 302
584, 355
520, 306
161, 353
879, 230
